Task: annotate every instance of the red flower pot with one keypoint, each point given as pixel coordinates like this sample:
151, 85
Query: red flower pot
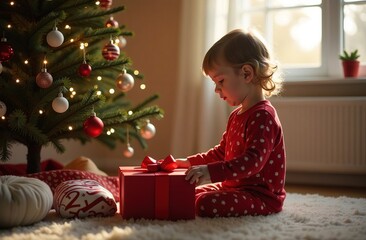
350, 68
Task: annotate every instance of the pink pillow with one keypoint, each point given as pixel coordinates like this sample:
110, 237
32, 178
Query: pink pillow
83, 198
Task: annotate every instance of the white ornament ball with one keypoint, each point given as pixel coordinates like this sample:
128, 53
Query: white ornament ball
2, 109
125, 81
44, 79
60, 104
122, 42
129, 151
55, 38
1, 68
148, 131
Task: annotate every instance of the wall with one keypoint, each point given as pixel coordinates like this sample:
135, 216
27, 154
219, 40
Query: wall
154, 52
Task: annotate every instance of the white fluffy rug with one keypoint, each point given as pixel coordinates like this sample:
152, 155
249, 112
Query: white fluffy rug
303, 217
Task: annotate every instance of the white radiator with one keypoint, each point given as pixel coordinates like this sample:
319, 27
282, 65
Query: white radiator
324, 134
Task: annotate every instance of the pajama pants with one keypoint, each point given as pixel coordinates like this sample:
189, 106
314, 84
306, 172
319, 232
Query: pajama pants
212, 200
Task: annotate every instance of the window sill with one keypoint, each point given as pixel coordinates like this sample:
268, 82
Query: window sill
324, 80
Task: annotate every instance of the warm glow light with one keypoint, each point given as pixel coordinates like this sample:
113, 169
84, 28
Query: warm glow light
67, 26
142, 86
99, 78
73, 93
71, 40
70, 128
45, 62
40, 111
97, 3
82, 46
71, 89
17, 80
111, 91
9, 26
96, 86
12, 3
130, 112
99, 93
3, 117
136, 72
26, 62
109, 133
112, 130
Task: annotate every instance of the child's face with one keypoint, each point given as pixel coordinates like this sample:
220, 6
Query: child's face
230, 84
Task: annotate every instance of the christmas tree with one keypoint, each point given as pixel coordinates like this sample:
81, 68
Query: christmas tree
63, 76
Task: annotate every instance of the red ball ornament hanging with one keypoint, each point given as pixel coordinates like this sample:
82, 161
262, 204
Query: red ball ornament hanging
85, 70
6, 51
93, 126
110, 51
44, 79
111, 23
106, 4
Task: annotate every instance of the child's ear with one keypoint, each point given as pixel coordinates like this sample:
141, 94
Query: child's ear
247, 72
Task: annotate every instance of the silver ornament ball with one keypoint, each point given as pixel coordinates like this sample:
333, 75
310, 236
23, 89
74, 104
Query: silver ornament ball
55, 38
129, 151
148, 131
60, 104
125, 82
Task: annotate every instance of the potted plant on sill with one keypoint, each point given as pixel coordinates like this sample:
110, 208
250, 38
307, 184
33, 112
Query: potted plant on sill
350, 63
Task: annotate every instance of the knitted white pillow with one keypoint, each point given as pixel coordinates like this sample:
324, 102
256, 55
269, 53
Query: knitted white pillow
23, 200
83, 198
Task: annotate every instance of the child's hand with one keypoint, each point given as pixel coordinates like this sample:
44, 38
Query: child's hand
198, 174
183, 163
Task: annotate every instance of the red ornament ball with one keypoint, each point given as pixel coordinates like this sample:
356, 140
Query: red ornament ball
85, 70
111, 23
6, 51
110, 51
44, 79
106, 4
93, 126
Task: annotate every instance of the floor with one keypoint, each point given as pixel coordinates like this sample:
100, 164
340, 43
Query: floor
327, 191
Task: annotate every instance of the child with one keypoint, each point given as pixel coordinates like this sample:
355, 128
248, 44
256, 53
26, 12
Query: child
247, 168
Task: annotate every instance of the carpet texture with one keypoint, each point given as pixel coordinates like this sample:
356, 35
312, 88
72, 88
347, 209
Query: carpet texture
303, 217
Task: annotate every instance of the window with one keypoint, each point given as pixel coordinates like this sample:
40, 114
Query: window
306, 36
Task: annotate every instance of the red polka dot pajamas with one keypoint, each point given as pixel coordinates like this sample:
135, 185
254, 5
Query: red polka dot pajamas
247, 168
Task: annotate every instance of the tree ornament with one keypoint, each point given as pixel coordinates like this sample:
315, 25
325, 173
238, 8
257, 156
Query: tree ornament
121, 42
125, 81
110, 51
129, 151
106, 4
148, 130
111, 23
85, 70
2, 109
1, 68
55, 38
6, 51
93, 126
60, 104
44, 79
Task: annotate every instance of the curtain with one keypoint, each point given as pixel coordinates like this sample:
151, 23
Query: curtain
200, 116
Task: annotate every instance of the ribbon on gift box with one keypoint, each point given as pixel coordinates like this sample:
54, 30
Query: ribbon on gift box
168, 164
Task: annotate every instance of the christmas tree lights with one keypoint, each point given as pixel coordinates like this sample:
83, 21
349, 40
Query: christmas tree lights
60, 78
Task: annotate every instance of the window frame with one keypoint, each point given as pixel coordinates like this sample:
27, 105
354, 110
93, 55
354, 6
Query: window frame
332, 43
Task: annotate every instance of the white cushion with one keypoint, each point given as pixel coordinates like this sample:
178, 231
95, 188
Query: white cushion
23, 200
83, 198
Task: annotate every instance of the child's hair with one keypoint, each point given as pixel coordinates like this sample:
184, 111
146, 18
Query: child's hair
238, 48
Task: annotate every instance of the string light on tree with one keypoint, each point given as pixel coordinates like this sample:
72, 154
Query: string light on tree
60, 103
110, 51
6, 50
2, 109
44, 79
93, 126
125, 81
129, 151
55, 38
148, 130
84, 69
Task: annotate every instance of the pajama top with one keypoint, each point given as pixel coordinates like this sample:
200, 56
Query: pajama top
251, 154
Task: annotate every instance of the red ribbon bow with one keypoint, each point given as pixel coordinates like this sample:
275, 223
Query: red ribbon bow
168, 164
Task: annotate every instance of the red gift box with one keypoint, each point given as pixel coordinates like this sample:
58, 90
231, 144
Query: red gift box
155, 195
